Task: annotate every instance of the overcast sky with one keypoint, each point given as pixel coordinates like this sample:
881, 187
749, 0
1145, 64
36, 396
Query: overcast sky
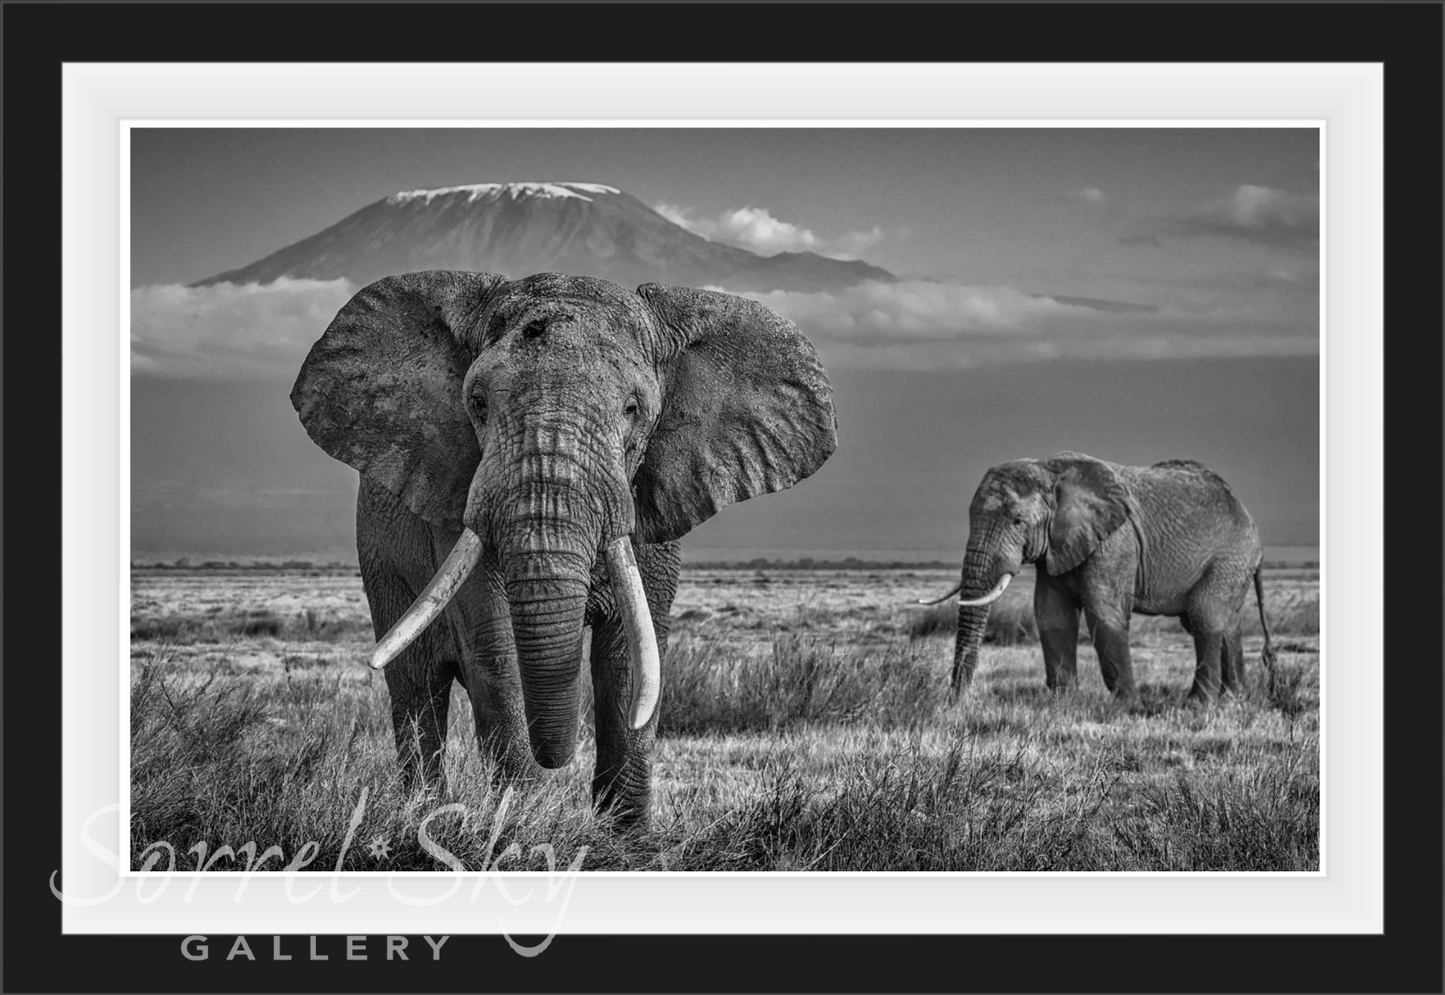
1187, 261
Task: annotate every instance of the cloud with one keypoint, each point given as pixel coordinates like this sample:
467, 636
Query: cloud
921, 325
250, 331
974, 354
853, 244
1251, 213
1283, 290
1103, 304
680, 216
1262, 214
915, 310
1088, 195
756, 229
230, 331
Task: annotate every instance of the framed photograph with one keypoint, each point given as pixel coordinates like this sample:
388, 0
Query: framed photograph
871, 516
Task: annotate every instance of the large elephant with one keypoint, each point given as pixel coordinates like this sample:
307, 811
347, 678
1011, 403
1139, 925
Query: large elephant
530, 451
1111, 540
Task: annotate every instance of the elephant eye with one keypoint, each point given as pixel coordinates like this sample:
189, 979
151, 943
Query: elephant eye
629, 408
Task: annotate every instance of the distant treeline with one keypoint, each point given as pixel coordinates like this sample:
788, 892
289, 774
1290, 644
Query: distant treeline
809, 563
185, 563
853, 563
759, 563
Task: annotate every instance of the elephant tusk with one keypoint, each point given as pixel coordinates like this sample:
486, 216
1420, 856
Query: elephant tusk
637, 622
956, 588
432, 601
991, 596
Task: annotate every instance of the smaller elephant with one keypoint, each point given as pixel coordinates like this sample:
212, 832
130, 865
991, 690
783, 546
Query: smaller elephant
1111, 540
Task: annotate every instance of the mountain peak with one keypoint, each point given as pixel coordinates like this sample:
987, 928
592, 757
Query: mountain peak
513, 191
585, 229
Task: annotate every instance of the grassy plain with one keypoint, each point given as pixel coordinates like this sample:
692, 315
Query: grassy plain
804, 726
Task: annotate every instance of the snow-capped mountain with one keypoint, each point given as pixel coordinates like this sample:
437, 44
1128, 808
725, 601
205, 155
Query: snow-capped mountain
587, 229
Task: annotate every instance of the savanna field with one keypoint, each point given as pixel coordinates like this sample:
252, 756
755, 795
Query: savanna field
804, 727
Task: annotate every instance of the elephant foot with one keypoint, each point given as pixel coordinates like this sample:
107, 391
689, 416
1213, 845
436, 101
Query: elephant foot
1125, 695
632, 822
517, 774
623, 797
628, 815
427, 779
1198, 698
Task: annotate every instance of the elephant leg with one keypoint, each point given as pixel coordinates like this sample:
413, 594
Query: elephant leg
1109, 629
622, 778
419, 705
1208, 654
418, 682
1214, 621
1232, 673
1057, 615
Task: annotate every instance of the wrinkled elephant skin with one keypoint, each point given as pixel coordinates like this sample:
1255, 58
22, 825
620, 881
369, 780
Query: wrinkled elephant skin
1109, 541
527, 433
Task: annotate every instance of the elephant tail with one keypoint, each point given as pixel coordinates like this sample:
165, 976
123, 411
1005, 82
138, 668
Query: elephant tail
1268, 655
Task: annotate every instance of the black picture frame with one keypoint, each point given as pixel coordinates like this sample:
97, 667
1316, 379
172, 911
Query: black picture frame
38, 38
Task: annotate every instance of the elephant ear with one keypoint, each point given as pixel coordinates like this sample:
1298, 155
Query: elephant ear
747, 409
381, 389
1090, 504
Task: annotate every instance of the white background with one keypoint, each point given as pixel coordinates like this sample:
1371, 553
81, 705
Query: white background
1346, 99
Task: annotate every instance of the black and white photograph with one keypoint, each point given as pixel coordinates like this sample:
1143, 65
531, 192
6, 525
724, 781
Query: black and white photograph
795, 499
626, 497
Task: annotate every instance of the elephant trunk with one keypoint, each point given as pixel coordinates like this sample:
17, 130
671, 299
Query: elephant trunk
546, 572
977, 585
547, 616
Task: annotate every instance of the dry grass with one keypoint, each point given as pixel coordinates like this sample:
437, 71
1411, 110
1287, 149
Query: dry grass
804, 726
